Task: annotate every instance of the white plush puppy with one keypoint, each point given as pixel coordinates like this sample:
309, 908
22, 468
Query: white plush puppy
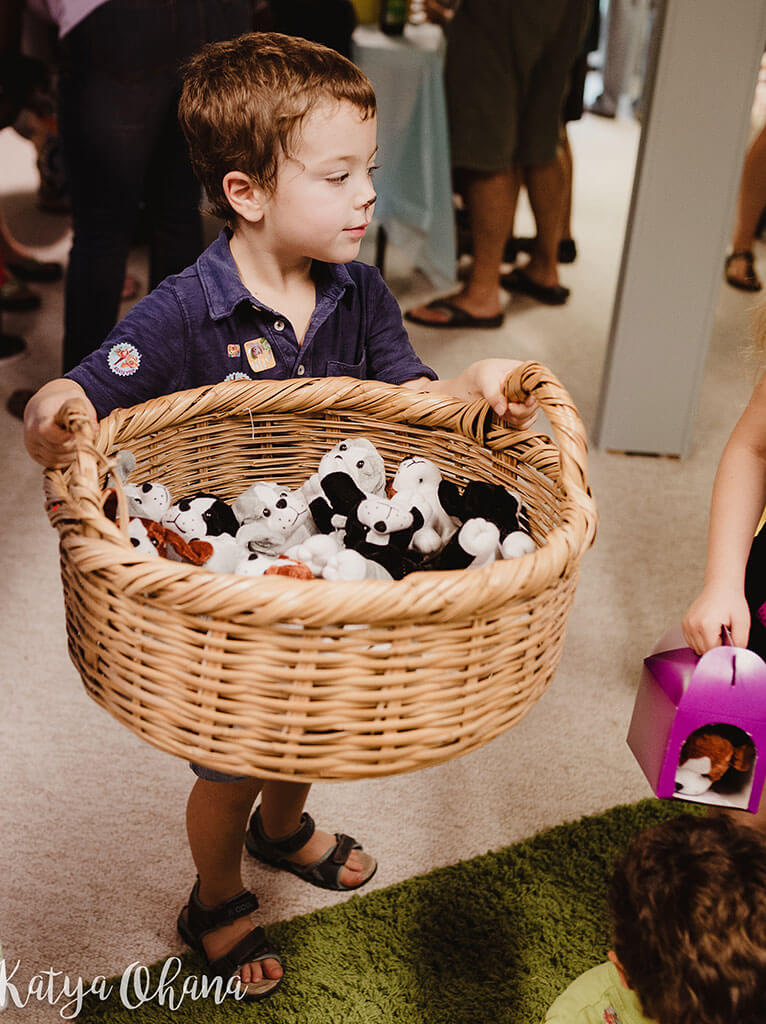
416, 484
272, 518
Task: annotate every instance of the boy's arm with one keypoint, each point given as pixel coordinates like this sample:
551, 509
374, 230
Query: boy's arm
484, 379
47, 442
739, 495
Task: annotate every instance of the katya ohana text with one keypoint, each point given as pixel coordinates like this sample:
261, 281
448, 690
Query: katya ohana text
135, 988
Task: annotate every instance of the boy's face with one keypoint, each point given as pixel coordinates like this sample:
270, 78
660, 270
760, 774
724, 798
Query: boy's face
324, 197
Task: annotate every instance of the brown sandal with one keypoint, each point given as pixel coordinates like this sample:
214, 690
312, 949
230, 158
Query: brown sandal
750, 282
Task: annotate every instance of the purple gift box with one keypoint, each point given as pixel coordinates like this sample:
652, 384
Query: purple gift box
693, 715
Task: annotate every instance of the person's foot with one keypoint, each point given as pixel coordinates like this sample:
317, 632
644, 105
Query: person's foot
226, 930
355, 871
28, 268
740, 271
602, 107
329, 861
11, 345
17, 402
17, 297
225, 938
441, 315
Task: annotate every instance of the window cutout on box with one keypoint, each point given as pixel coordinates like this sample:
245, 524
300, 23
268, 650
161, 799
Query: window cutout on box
716, 766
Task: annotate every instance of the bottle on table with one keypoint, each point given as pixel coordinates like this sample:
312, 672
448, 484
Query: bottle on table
393, 16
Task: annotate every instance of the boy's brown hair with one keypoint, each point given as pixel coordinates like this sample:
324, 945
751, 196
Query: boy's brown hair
244, 99
688, 904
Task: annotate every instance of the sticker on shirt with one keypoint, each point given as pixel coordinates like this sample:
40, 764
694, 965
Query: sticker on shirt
259, 355
124, 359
232, 351
237, 375
610, 1016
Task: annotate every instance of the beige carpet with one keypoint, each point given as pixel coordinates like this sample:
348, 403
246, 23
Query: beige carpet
93, 858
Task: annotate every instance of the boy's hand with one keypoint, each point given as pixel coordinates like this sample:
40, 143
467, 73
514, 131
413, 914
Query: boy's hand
716, 607
45, 441
486, 379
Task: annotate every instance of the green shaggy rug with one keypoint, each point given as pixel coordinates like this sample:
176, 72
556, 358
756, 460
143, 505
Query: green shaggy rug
492, 939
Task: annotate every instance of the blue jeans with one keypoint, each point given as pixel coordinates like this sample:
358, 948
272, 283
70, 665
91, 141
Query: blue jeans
118, 99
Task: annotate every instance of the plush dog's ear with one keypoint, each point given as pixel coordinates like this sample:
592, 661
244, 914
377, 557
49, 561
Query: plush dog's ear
219, 518
743, 757
343, 493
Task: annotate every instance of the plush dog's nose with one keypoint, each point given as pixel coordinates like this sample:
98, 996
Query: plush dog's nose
380, 526
679, 786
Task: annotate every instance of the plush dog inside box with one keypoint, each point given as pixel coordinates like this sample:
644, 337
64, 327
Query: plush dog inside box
698, 728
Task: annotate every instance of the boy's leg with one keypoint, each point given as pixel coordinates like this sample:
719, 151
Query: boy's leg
216, 818
281, 808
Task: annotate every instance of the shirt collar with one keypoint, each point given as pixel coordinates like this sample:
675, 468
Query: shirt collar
224, 290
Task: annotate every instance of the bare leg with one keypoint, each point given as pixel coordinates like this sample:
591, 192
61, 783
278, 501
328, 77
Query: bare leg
491, 200
546, 186
750, 203
281, 808
565, 159
216, 818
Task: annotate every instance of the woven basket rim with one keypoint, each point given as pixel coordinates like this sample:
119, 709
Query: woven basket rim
274, 599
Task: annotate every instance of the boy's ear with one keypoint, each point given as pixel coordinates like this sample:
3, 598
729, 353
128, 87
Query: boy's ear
245, 197
611, 955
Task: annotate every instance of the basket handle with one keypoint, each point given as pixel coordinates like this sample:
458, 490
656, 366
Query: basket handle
532, 378
84, 494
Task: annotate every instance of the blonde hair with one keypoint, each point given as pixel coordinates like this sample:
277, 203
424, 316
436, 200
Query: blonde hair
243, 101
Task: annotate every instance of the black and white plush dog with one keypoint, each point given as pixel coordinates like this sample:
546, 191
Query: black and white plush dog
374, 527
205, 517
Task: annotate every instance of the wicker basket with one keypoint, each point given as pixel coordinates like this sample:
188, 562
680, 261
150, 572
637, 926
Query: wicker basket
309, 680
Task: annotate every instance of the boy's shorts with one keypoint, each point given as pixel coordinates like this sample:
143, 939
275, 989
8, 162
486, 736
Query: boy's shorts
211, 775
506, 74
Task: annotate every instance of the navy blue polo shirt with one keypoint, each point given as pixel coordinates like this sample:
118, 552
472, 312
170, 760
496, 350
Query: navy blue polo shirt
203, 326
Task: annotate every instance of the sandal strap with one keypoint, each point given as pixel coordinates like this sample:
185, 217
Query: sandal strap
202, 920
741, 254
254, 946
276, 849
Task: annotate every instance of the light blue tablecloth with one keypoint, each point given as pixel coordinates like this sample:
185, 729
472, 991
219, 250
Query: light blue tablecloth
413, 184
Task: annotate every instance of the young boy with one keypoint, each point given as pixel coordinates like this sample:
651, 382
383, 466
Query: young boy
282, 135
688, 908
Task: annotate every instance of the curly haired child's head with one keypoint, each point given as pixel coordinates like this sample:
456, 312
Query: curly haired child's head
688, 905
243, 101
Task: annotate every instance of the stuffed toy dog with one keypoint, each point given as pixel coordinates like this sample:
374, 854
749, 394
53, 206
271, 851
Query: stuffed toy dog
205, 517
253, 563
155, 540
272, 518
374, 527
416, 483
711, 753
146, 501
356, 456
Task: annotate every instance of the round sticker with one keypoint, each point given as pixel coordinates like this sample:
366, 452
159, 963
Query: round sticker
124, 359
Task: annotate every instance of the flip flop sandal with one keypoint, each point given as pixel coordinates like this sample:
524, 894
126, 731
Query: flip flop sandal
567, 250
458, 317
324, 873
196, 920
519, 281
748, 283
27, 268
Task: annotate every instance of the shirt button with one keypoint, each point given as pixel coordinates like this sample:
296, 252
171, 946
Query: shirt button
301, 370
279, 325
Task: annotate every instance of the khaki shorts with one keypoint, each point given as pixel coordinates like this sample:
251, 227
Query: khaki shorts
506, 73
